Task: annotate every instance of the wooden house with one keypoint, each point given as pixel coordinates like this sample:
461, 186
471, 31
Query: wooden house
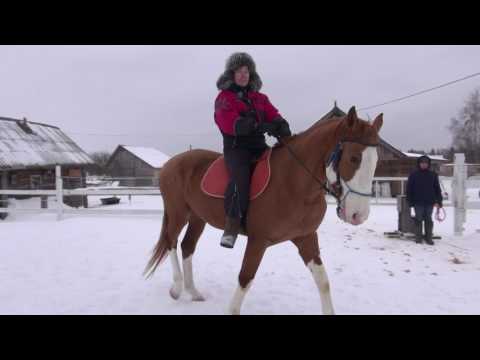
29, 152
136, 165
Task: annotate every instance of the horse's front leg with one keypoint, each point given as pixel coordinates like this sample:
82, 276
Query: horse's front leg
310, 253
251, 261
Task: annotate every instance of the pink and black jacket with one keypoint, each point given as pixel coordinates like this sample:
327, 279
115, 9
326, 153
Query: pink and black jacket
236, 102
246, 104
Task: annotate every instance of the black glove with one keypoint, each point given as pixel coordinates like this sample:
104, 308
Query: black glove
265, 127
278, 128
283, 129
245, 125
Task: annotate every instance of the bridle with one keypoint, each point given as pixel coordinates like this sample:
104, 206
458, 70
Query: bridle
335, 159
335, 189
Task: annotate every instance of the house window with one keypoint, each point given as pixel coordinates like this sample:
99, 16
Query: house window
13, 179
48, 179
35, 181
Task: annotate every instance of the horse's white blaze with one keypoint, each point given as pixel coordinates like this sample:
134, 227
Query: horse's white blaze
188, 281
321, 279
237, 300
176, 289
360, 182
331, 174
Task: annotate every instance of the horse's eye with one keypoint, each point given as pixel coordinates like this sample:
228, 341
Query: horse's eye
355, 159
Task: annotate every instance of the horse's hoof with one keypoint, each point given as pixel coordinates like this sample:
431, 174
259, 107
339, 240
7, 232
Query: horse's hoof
198, 297
233, 311
175, 292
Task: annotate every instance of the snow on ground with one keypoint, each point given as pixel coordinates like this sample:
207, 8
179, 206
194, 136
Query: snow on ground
93, 264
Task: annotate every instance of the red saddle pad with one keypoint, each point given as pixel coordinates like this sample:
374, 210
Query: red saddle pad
215, 180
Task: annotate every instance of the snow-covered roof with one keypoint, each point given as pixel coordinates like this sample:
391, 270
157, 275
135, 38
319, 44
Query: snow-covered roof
151, 156
433, 157
30, 144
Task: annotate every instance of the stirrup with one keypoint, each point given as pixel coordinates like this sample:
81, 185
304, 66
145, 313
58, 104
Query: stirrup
228, 241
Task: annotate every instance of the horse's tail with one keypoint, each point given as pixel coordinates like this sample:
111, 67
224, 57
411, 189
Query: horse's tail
161, 249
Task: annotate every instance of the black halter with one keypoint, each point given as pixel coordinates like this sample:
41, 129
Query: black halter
337, 186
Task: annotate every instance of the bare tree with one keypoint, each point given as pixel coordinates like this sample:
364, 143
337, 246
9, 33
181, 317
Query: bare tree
465, 128
415, 151
101, 159
447, 153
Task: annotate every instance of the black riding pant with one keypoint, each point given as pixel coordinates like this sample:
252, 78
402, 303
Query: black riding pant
240, 164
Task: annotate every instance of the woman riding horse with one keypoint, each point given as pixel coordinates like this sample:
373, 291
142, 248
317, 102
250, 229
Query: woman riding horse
291, 207
243, 115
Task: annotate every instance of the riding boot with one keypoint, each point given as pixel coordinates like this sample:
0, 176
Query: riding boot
418, 232
232, 227
429, 232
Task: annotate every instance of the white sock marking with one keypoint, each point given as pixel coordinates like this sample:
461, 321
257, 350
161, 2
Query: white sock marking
177, 287
321, 279
237, 300
189, 284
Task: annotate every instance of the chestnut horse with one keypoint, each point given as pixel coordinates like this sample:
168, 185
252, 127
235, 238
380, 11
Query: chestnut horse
291, 208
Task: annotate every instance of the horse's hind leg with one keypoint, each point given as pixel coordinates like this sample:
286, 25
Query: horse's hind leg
310, 253
189, 242
176, 223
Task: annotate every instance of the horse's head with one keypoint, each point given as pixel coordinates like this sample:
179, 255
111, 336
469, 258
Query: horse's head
352, 166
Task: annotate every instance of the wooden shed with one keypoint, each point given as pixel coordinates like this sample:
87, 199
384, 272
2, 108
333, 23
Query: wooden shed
29, 152
136, 165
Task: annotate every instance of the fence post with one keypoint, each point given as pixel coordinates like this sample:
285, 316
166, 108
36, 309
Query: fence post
377, 190
459, 194
59, 189
3, 198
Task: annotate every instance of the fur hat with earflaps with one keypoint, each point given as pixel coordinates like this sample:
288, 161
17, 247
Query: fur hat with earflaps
235, 61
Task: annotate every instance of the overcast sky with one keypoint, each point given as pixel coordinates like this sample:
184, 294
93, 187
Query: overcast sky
162, 96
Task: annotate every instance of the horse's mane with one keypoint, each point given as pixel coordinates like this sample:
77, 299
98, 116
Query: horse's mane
318, 124
325, 121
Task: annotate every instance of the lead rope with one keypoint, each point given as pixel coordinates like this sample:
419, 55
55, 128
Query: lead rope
440, 216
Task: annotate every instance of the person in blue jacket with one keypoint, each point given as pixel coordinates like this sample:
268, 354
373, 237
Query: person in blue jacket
423, 194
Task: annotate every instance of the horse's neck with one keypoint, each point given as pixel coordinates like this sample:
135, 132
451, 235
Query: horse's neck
313, 148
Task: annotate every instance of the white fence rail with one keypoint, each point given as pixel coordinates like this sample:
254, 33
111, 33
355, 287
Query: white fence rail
456, 199
59, 193
29, 192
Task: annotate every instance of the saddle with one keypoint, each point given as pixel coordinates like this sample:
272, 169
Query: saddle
214, 182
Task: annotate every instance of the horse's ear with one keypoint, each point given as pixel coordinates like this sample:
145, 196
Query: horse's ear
352, 117
378, 122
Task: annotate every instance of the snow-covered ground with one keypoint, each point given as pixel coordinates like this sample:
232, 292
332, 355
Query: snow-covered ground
93, 265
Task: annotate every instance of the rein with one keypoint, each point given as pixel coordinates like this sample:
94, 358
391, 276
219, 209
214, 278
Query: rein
335, 157
300, 162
